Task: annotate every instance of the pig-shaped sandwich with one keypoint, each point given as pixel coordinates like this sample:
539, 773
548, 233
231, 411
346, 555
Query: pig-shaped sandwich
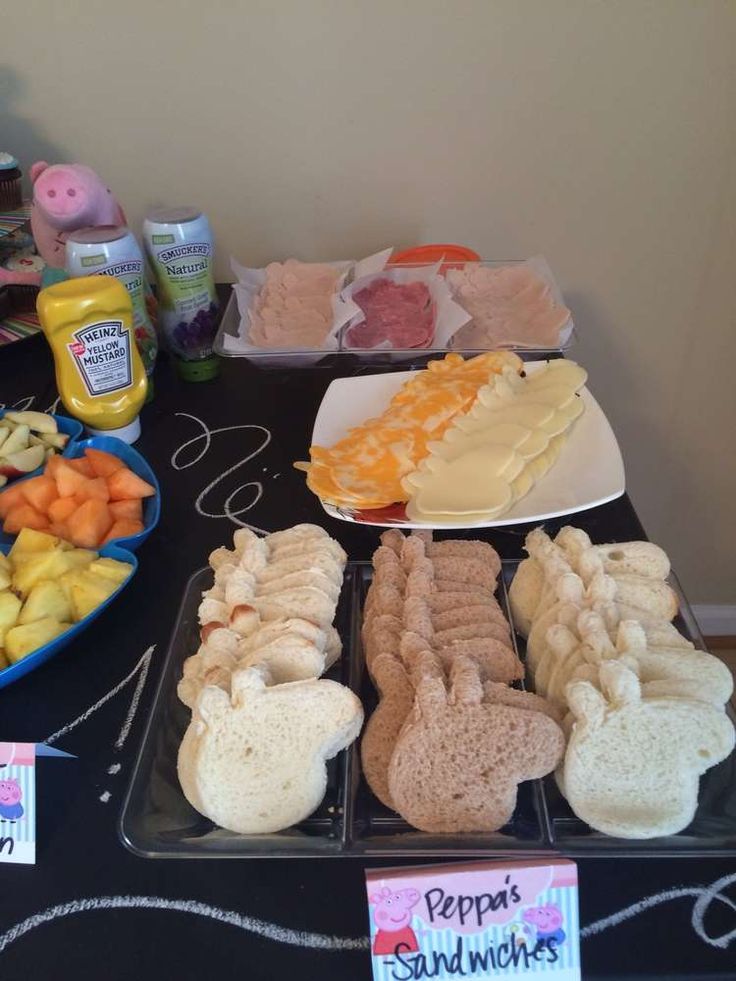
633, 763
254, 761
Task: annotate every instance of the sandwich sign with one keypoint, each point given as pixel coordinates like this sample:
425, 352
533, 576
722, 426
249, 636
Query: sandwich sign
476, 920
18, 803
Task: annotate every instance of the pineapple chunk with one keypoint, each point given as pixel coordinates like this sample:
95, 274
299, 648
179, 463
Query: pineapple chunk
28, 637
29, 540
5, 563
46, 599
5, 578
42, 565
112, 569
86, 591
4, 662
9, 612
79, 558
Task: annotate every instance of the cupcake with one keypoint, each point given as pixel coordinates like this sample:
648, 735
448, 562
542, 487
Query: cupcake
11, 196
23, 296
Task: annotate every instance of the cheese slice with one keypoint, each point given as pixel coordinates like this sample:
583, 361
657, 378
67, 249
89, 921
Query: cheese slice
520, 413
493, 455
474, 482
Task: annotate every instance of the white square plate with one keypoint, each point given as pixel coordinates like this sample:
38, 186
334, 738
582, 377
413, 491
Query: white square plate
588, 472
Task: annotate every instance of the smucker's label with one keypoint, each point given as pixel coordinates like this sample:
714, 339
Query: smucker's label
101, 352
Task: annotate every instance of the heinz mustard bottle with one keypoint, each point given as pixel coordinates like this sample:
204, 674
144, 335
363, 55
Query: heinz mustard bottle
88, 323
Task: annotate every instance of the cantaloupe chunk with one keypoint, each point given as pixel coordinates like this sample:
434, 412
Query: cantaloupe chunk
132, 510
94, 489
10, 498
69, 481
60, 528
62, 507
89, 524
122, 528
124, 485
40, 492
82, 465
24, 516
52, 465
103, 463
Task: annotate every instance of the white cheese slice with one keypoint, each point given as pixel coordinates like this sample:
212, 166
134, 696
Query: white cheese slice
474, 482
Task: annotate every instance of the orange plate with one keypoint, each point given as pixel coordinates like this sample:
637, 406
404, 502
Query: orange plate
421, 255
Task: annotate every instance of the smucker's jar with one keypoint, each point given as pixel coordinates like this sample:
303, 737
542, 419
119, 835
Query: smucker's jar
111, 250
178, 242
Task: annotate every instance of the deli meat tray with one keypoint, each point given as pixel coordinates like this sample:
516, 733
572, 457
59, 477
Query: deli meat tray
158, 822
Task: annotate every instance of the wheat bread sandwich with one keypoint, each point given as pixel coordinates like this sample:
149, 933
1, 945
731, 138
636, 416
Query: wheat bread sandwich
382, 729
459, 759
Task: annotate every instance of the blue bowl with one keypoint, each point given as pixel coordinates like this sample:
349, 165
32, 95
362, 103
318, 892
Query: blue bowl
70, 427
135, 462
132, 459
32, 661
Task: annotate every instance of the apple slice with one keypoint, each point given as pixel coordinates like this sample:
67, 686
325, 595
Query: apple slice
5, 431
16, 464
18, 440
57, 440
39, 422
3, 480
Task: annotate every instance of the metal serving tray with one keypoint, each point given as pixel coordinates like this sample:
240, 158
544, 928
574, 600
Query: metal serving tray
158, 822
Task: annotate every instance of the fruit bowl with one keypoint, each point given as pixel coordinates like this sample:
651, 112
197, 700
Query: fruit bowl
43, 653
132, 459
66, 426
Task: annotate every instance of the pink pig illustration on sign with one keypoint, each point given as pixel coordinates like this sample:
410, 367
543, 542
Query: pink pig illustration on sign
10, 796
392, 916
547, 921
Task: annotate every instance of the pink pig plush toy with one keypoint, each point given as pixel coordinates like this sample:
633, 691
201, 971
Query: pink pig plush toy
65, 197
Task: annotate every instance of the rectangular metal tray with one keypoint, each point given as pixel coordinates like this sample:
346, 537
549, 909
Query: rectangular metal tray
158, 822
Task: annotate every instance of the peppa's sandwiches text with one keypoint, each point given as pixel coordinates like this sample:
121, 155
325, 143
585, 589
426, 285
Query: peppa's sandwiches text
475, 920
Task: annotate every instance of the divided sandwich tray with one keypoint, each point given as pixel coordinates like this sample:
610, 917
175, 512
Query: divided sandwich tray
158, 822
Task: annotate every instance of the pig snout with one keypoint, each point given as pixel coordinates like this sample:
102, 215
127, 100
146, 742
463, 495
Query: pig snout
63, 197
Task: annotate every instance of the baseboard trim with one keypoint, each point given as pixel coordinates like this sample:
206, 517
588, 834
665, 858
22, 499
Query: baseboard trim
716, 619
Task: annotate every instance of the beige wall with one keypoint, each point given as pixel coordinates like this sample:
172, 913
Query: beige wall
598, 133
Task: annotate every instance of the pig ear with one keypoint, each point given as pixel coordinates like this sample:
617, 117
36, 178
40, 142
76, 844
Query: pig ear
37, 169
374, 898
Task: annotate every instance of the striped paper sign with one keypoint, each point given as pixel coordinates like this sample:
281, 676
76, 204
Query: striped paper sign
475, 920
18, 803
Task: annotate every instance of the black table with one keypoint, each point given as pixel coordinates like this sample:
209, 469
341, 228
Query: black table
91, 910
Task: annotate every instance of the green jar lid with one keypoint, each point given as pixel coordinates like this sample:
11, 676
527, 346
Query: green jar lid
199, 371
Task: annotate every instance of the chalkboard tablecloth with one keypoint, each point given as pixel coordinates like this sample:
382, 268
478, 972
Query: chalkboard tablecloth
89, 909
